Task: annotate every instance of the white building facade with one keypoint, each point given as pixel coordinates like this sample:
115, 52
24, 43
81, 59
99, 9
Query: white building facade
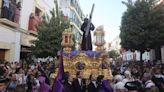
16, 37
128, 55
115, 45
135, 56
72, 10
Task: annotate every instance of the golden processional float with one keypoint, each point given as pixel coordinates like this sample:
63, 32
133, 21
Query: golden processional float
89, 62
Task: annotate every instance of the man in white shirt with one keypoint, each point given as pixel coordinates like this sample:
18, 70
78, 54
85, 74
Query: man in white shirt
79, 84
6, 3
5, 9
92, 87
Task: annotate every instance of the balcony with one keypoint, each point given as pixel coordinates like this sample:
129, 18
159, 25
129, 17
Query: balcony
10, 13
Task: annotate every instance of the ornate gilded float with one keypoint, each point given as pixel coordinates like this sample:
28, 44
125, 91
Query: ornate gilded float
96, 62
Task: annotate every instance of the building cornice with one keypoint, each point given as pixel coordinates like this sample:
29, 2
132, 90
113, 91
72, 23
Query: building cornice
9, 23
15, 27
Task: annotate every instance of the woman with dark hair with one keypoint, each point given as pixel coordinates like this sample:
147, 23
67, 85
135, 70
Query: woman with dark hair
17, 12
29, 83
99, 80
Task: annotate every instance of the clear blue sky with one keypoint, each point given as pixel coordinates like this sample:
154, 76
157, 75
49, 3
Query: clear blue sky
107, 13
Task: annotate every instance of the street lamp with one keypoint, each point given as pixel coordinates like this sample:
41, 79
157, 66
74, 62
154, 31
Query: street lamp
99, 38
67, 41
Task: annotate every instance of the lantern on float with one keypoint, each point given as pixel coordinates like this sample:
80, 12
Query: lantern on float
67, 41
99, 38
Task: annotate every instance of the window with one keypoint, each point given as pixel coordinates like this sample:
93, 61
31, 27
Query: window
34, 20
37, 11
71, 1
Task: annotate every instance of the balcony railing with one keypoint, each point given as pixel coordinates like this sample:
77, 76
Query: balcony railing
8, 22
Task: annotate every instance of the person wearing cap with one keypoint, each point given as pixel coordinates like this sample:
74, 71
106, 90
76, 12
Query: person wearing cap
133, 86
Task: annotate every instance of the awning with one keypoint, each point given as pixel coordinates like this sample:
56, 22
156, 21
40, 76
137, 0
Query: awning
24, 49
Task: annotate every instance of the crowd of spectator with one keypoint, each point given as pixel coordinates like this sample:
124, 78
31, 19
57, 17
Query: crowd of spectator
35, 77
18, 77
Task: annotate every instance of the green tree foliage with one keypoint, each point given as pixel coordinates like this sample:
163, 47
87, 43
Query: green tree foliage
50, 35
142, 25
113, 54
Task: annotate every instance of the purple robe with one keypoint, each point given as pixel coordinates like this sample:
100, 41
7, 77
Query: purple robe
44, 87
106, 87
58, 85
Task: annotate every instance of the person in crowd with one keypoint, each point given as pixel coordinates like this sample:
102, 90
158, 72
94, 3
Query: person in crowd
132, 86
7, 70
21, 79
29, 82
135, 72
79, 84
158, 79
106, 85
12, 84
92, 87
127, 78
35, 83
99, 82
149, 84
67, 81
4, 82
44, 87
17, 12
118, 84
135, 85
103, 84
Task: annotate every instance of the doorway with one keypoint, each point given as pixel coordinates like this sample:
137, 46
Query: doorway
2, 54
